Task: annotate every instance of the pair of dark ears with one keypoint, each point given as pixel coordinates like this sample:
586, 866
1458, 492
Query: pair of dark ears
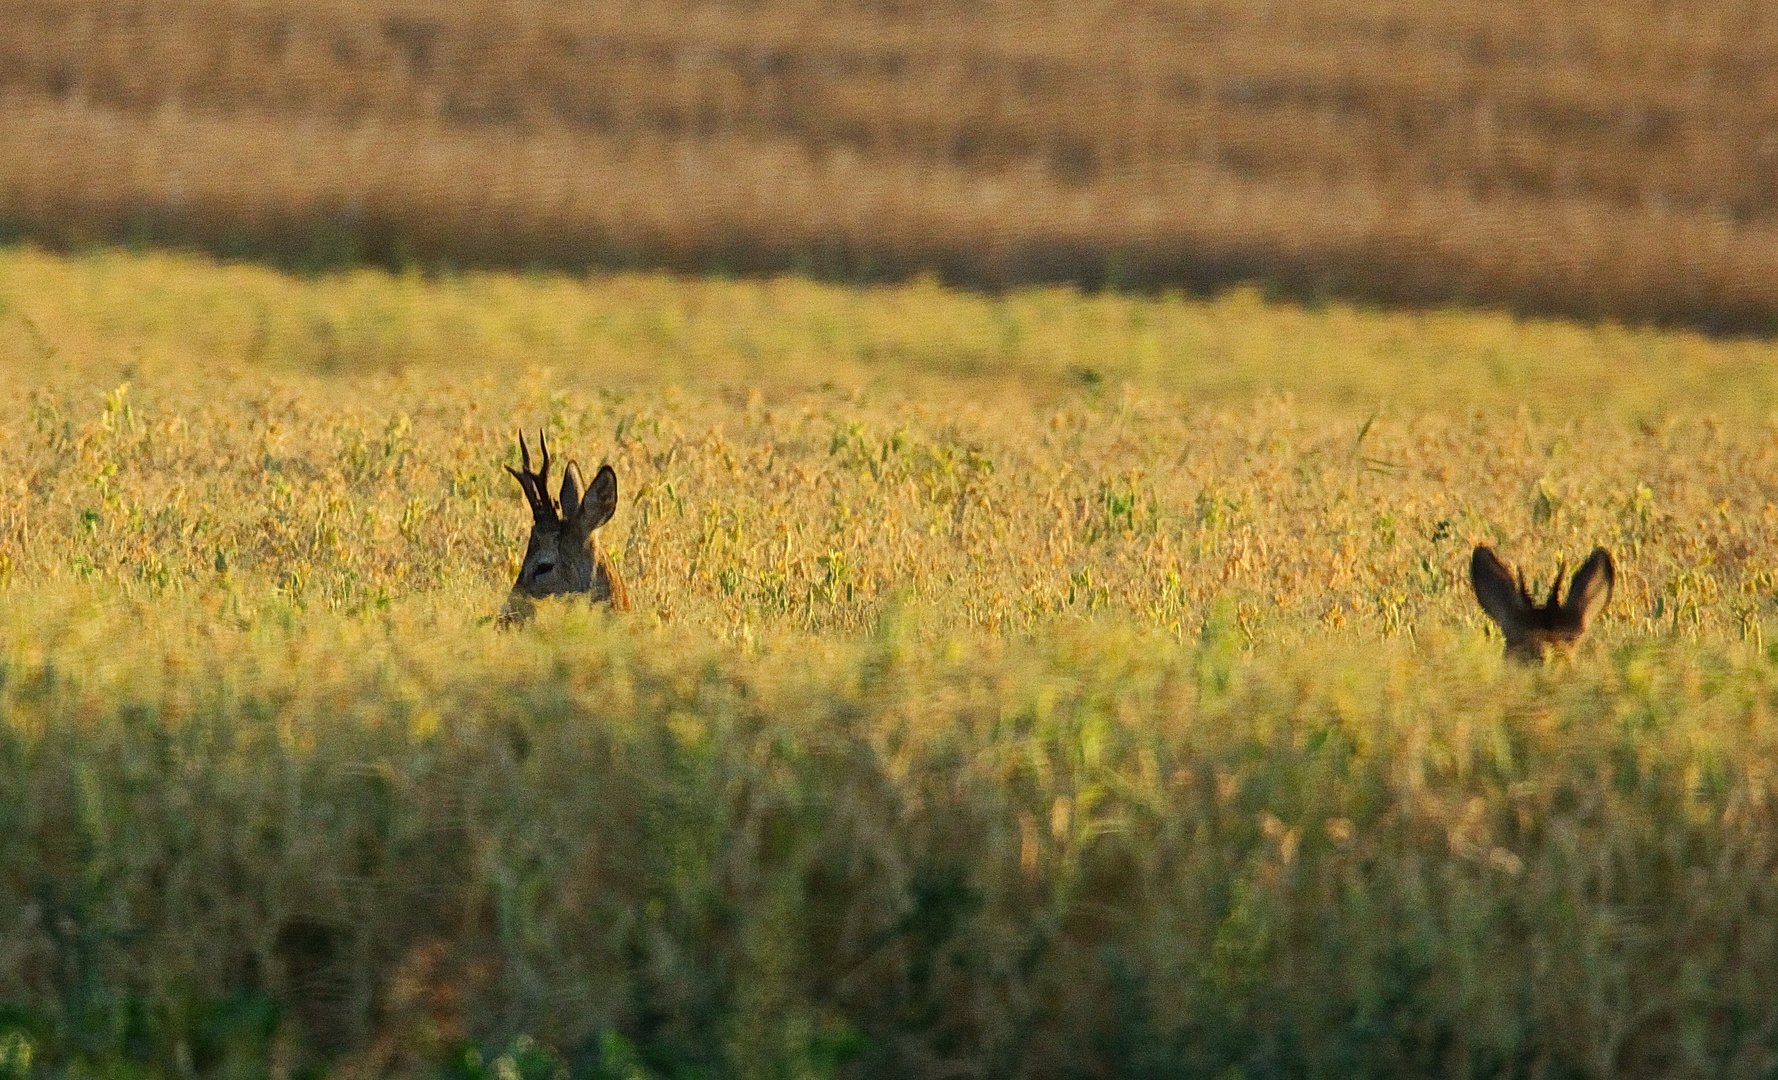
585, 512
581, 509
1508, 601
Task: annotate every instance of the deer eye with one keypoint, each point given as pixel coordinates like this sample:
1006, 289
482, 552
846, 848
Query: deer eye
543, 568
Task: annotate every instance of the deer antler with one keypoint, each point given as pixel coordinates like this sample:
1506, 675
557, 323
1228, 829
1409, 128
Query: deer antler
543, 473
535, 484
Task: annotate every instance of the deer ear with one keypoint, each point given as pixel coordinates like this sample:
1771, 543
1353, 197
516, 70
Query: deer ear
570, 491
600, 501
1591, 589
1495, 590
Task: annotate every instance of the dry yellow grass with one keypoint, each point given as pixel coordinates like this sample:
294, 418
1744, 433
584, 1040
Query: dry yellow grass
752, 501
1610, 158
1035, 686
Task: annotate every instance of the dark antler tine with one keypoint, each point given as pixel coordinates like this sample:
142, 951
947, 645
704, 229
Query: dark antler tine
1556, 585
524, 451
524, 480
543, 473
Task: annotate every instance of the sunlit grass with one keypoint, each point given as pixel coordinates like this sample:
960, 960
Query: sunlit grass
172, 319
1033, 685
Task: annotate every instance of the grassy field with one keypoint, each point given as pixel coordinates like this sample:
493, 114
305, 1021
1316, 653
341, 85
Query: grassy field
1610, 157
1049, 684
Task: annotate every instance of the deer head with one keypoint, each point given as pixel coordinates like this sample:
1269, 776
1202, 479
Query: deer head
1556, 624
563, 555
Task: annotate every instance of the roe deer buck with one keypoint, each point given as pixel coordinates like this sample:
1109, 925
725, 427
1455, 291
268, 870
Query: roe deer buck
563, 556
1530, 627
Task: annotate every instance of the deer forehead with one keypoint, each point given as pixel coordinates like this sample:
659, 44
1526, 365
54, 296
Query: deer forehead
543, 542
553, 543
1560, 637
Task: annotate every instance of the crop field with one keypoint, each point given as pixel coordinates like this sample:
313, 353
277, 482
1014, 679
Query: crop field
1049, 684
1611, 157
